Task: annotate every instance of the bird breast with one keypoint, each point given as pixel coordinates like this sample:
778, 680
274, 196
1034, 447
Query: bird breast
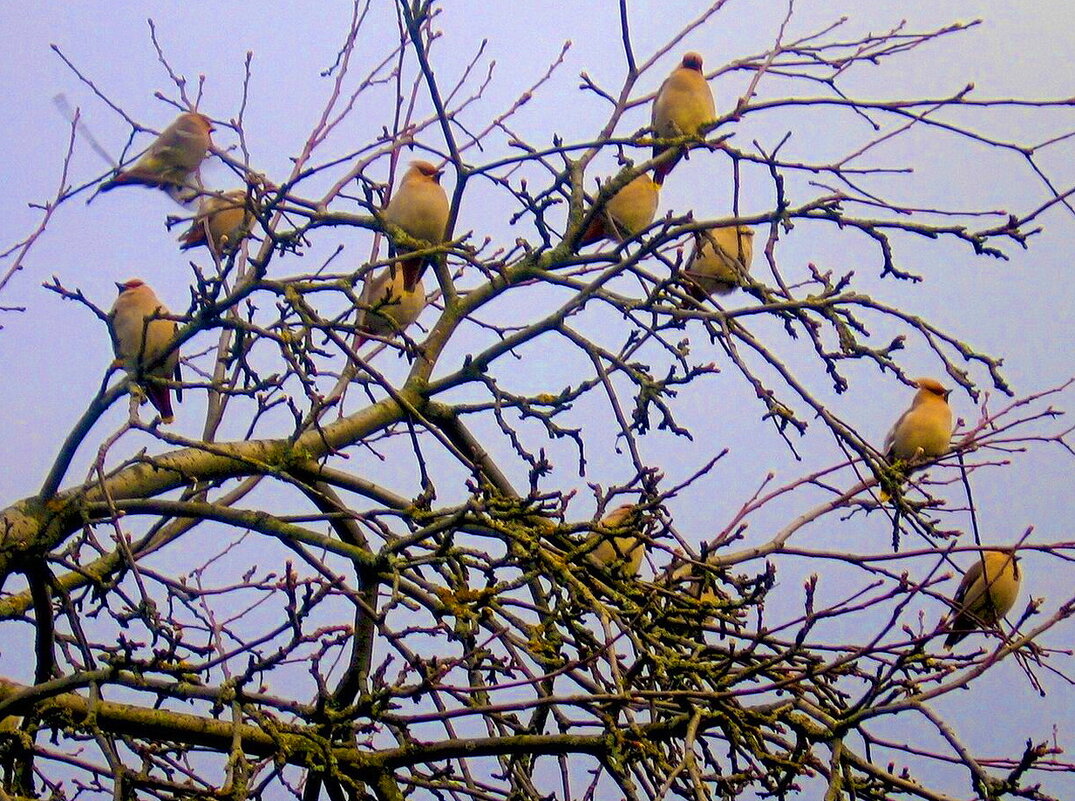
927, 425
1002, 583
634, 207
420, 208
720, 261
683, 105
129, 324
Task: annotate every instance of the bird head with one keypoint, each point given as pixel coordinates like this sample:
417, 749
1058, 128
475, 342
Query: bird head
427, 169
202, 120
620, 516
692, 61
129, 284
933, 387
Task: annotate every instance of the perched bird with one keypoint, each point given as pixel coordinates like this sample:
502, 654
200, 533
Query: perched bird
925, 430
986, 593
682, 106
694, 600
141, 343
624, 551
173, 157
687, 577
626, 213
720, 260
387, 308
221, 222
420, 207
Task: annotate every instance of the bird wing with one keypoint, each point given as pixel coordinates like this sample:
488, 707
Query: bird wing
656, 100
974, 572
890, 437
166, 155
177, 374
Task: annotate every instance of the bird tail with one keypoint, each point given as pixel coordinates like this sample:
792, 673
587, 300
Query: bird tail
412, 272
177, 375
132, 176
194, 236
595, 231
161, 398
959, 629
965, 623
693, 288
661, 171
953, 638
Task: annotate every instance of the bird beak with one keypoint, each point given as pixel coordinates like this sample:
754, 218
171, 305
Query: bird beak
437, 175
120, 287
947, 392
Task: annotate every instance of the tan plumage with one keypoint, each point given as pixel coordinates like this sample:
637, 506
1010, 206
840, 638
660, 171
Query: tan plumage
172, 158
720, 260
139, 344
626, 213
687, 577
695, 599
420, 207
925, 430
986, 593
624, 552
683, 105
388, 308
221, 222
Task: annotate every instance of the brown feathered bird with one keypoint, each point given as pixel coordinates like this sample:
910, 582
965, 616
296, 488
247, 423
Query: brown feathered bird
922, 432
420, 207
141, 343
626, 213
221, 222
388, 308
625, 551
720, 261
683, 104
986, 593
925, 429
173, 157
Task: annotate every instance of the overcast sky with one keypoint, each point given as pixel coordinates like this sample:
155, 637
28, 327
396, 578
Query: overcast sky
55, 353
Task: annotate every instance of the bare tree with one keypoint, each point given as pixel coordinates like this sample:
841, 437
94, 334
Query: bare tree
435, 621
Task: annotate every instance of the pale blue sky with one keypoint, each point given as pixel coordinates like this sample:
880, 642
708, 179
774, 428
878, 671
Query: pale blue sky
55, 353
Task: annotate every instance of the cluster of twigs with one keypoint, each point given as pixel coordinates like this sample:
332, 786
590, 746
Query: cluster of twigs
453, 638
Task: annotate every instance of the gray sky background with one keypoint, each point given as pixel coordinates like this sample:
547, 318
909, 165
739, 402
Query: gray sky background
55, 353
